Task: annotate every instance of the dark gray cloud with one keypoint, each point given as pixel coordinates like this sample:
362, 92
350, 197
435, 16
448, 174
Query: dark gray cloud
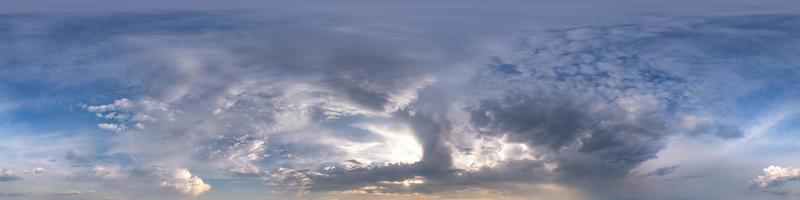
587, 142
663, 171
721, 130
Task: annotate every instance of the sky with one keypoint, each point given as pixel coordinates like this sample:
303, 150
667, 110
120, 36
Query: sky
567, 100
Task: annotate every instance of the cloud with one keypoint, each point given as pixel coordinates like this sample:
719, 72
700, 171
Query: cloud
123, 104
79, 157
596, 102
239, 154
698, 126
7, 175
308, 106
776, 176
588, 103
124, 113
71, 193
178, 179
111, 127
3, 194
585, 140
183, 182
35, 170
98, 172
290, 179
663, 171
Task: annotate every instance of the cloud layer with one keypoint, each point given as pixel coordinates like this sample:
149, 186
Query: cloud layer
331, 105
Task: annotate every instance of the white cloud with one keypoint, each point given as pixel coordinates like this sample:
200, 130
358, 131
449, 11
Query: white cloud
181, 180
124, 113
239, 156
35, 170
775, 176
105, 172
178, 179
111, 127
490, 152
123, 104
8, 175
71, 193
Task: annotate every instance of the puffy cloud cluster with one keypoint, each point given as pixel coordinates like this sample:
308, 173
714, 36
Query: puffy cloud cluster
35, 170
178, 179
124, 113
8, 175
183, 182
775, 176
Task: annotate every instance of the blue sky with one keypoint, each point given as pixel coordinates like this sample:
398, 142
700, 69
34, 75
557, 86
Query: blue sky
386, 100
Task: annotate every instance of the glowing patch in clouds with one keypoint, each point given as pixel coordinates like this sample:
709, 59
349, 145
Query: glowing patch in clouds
488, 152
408, 182
398, 141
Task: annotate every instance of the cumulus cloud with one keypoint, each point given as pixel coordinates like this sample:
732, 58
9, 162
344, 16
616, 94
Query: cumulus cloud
111, 127
178, 179
35, 170
8, 175
120, 104
776, 176
183, 182
124, 113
